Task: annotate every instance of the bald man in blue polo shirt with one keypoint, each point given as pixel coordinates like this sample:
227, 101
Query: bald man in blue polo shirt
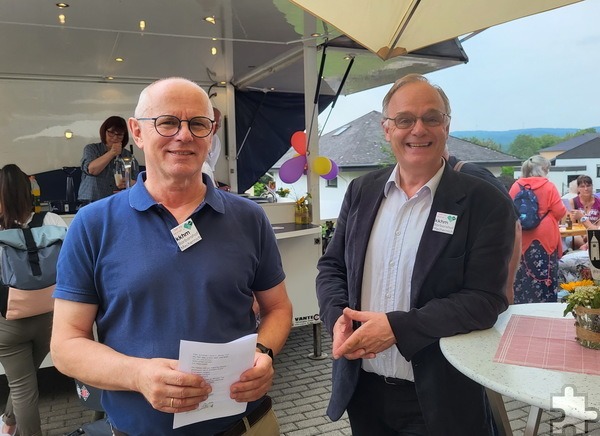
171, 258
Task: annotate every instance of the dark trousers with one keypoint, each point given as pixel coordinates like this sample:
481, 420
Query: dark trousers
381, 408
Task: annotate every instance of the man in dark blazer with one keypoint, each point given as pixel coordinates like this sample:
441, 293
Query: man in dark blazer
420, 252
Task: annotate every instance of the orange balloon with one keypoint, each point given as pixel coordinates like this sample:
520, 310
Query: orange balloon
299, 142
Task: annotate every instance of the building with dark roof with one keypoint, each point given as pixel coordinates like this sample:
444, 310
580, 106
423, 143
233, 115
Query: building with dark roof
581, 158
570, 144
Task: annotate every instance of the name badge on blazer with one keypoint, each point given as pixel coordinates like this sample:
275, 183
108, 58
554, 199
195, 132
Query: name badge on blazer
445, 223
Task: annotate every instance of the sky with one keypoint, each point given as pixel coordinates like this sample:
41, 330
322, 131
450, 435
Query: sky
538, 71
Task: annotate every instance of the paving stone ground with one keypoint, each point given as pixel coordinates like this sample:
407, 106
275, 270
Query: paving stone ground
300, 394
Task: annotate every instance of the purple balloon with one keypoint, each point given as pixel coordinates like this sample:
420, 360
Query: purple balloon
292, 169
333, 173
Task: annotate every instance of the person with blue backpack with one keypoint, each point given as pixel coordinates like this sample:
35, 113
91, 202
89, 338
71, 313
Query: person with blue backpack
24, 343
540, 208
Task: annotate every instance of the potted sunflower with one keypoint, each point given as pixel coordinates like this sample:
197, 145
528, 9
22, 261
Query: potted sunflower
283, 192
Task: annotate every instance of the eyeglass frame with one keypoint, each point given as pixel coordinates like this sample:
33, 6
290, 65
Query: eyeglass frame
212, 123
446, 117
115, 134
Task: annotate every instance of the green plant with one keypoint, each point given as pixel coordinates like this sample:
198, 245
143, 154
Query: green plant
259, 189
283, 192
583, 293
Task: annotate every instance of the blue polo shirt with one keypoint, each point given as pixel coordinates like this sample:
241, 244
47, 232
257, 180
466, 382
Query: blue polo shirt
120, 254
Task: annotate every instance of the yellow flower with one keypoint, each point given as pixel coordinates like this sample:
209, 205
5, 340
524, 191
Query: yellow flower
572, 285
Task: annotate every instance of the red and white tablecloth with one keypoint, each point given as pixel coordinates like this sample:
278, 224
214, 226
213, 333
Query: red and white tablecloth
546, 343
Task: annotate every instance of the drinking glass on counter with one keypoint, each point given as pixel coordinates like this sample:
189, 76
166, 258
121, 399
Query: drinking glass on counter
123, 166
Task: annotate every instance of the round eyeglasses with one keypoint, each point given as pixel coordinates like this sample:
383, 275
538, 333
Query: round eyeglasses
406, 120
170, 125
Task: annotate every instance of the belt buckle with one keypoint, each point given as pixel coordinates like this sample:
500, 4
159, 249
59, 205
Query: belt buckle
389, 381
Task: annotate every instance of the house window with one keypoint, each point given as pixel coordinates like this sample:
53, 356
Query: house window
597, 170
332, 183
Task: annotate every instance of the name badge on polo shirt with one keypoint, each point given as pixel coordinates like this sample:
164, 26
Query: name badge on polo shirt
444, 223
186, 234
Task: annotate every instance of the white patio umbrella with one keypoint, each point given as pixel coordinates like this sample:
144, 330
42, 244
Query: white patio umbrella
395, 27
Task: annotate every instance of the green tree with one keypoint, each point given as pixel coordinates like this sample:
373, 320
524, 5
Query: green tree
524, 146
487, 143
546, 141
579, 133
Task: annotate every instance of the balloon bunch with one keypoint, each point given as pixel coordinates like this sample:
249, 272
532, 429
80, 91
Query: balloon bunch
292, 169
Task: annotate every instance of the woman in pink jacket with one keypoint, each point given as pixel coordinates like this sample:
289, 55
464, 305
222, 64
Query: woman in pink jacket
537, 276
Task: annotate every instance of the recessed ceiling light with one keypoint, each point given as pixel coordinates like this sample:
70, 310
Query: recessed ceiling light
213, 51
214, 39
119, 59
68, 134
210, 19
109, 78
142, 25
315, 34
62, 5
62, 19
223, 83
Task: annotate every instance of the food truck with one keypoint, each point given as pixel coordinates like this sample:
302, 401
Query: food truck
268, 66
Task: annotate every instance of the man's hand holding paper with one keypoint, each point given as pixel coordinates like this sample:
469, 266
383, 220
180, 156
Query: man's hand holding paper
224, 367
255, 382
168, 389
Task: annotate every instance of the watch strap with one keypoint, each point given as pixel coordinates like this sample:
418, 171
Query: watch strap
264, 349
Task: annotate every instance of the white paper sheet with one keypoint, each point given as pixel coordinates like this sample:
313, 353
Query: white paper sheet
221, 365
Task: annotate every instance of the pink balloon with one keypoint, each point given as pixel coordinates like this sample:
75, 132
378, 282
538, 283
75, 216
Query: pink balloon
299, 142
292, 169
333, 173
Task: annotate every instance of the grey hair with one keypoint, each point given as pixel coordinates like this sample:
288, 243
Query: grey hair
413, 78
535, 166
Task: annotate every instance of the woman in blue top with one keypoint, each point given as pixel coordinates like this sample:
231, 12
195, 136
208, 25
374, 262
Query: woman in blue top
98, 161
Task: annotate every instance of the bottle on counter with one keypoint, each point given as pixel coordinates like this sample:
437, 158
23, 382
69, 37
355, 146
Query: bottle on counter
36, 192
569, 222
309, 209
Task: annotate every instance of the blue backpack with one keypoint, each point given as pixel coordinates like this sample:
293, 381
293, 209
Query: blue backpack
28, 268
527, 204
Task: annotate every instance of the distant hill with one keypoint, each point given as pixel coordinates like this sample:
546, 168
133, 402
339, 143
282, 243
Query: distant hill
505, 137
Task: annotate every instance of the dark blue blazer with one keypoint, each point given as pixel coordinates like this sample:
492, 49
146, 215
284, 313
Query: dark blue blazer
457, 286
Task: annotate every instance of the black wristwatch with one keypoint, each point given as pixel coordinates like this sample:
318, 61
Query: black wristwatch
264, 349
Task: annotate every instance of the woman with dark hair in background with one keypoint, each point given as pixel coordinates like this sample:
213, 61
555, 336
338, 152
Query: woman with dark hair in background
24, 343
98, 161
586, 203
537, 276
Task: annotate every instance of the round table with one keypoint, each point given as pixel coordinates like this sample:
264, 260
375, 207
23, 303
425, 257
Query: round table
473, 355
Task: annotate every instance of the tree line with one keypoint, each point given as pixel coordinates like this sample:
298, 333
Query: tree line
525, 146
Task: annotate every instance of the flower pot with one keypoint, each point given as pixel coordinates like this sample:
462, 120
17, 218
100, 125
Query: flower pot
587, 327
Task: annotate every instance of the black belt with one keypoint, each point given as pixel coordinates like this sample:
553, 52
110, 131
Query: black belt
239, 428
387, 380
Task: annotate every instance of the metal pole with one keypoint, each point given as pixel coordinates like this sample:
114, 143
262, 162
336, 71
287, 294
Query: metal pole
317, 345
